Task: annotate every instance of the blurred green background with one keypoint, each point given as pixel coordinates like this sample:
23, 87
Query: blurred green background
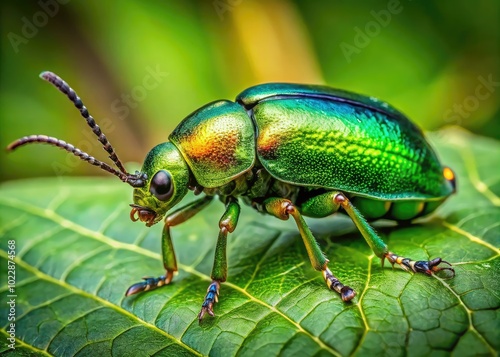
141, 67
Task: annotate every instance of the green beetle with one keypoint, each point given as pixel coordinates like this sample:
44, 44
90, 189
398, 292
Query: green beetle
286, 150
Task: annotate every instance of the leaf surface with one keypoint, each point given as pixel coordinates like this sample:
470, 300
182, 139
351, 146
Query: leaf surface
77, 252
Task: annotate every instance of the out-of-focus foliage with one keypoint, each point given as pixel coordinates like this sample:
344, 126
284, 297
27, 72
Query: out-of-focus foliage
146, 65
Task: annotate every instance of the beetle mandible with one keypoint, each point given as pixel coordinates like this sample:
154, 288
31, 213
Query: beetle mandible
286, 150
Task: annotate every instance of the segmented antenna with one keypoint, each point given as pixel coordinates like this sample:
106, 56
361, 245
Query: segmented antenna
60, 84
135, 180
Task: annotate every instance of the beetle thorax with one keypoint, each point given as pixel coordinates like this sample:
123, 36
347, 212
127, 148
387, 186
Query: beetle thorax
254, 186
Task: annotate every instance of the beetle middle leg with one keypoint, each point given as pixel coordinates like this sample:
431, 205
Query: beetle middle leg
169, 260
282, 208
227, 224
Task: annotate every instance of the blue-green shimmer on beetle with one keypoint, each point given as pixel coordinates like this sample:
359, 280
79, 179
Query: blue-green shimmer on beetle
286, 150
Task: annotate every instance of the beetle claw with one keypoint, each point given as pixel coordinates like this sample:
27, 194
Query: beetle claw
432, 266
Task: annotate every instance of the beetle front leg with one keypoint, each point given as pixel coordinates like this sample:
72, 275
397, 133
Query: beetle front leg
380, 248
169, 260
282, 208
227, 224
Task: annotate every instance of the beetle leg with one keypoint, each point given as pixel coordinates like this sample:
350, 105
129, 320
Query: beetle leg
380, 248
169, 261
374, 241
282, 208
420, 266
227, 224
150, 283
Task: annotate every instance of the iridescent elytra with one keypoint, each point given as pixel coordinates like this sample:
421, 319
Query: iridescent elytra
285, 150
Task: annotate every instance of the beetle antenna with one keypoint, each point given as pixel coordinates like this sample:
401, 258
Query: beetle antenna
60, 84
135, 180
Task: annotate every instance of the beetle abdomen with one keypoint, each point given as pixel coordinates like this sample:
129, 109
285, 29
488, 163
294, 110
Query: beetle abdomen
325, 143
398, 210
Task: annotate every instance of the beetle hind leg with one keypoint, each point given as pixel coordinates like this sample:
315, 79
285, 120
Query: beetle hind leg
427, 267
380, 248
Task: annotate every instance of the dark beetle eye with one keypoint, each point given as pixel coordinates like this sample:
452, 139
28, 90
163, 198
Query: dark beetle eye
161, 185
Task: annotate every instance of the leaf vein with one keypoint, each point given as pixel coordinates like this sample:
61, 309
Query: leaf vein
470, 236
80, 260
262, 258
363, 316
21, 343
102, 301
469, 314
472, 171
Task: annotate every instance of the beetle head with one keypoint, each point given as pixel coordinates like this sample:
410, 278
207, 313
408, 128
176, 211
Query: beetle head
168, 177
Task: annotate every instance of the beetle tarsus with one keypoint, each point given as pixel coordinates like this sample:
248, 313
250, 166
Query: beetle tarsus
150, 283
427, 267
346, 292
210, 299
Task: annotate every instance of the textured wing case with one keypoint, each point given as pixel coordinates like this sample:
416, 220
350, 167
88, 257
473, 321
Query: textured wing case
342, 141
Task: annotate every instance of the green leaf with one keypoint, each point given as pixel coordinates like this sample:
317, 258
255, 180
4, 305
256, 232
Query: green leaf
77, 251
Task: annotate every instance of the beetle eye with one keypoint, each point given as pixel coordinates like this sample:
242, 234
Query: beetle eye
161, 185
